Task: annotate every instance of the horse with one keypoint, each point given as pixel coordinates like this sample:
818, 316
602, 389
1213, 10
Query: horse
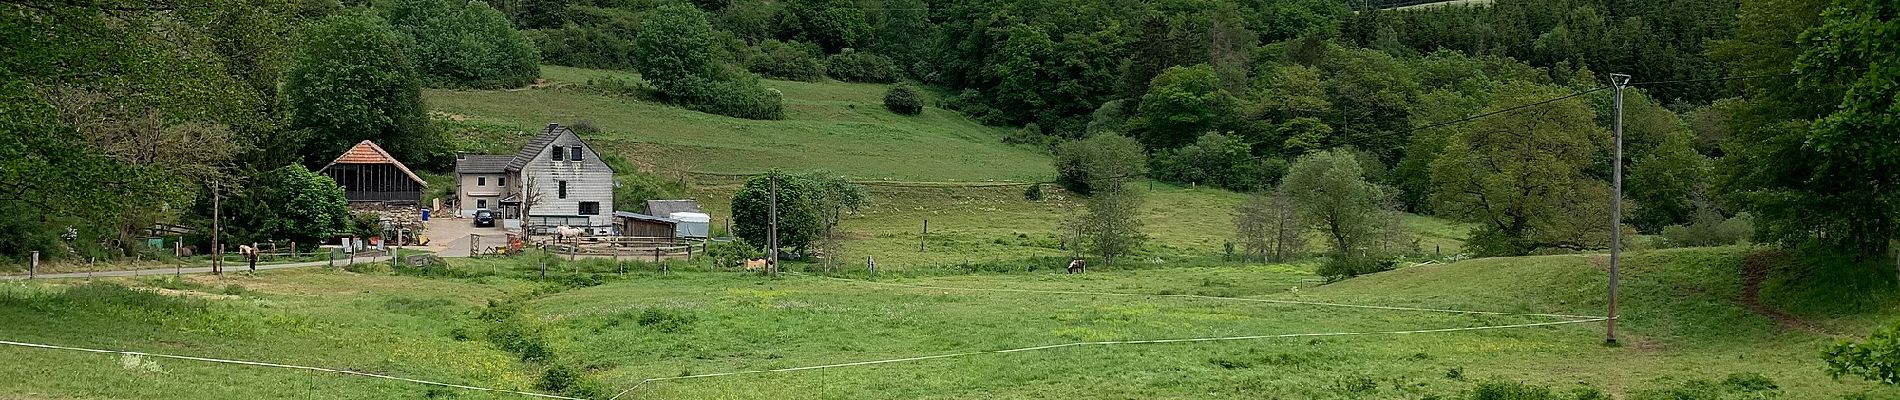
566, 232
1078, 266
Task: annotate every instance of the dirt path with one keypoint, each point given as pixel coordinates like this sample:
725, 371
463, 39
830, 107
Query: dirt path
1755, 268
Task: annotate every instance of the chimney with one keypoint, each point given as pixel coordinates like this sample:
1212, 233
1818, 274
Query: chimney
553, 126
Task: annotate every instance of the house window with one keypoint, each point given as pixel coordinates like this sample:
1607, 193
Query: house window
501, 181
563, 185
574, 153
590, 208
481, 181
481, 204
559, 153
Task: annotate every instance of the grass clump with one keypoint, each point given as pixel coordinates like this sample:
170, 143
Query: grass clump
1507, 390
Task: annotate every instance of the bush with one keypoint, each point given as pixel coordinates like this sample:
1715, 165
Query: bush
851, 65
738, 96
731, 254
570, 381
788, 60
584, 47
1504, 390
1033, 193
903, 100
665, 320
1340, 268
586, 126
1739, 386
1709, 232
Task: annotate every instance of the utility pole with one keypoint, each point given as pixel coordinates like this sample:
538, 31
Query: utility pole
217, 250
1620, 81
771, 232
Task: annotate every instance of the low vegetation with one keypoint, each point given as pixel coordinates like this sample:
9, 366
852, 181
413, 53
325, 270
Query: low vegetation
589, 331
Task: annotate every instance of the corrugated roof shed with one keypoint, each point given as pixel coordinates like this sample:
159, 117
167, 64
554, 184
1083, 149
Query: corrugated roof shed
367, 152
644, 217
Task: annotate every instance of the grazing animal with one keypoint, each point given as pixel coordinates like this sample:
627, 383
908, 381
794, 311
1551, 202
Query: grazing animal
754, 264
566, 232
1078, 266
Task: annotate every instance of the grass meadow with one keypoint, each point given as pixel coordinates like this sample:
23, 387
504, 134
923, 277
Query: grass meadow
494, 322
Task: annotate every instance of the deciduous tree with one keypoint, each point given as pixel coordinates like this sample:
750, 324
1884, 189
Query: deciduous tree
1522, 176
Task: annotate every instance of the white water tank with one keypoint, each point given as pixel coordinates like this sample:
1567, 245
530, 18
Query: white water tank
692, 224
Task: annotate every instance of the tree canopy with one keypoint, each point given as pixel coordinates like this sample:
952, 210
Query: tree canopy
350, 80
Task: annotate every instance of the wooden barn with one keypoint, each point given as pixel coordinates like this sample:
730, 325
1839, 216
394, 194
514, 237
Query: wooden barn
370, 175
642, 225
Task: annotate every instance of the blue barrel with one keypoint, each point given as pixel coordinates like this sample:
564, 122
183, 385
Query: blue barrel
425, 214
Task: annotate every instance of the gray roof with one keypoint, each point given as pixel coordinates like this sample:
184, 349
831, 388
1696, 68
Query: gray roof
668, 207
482, 164
644, 217
536, 146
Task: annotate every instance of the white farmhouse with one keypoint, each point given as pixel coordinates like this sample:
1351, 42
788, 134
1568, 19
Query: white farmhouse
555, 180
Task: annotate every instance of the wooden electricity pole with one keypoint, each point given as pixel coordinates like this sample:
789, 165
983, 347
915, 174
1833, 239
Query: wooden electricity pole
771, 232
1616, 209
217, 250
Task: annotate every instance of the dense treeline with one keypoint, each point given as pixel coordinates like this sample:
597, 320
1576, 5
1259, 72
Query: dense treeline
1229, 93
120, 115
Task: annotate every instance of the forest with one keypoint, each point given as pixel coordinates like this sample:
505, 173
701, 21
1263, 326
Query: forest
1774, 114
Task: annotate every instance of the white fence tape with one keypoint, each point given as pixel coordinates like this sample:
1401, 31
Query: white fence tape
274, 365
1566, 319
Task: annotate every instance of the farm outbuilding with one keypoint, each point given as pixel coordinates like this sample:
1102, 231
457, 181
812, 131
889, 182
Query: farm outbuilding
642, 225
370, 175
693, 223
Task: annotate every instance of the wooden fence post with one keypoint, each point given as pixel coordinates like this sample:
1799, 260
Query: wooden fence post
33, 267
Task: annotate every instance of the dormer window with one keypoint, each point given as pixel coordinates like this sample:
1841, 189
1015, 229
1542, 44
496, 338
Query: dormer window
574, 153
560, 153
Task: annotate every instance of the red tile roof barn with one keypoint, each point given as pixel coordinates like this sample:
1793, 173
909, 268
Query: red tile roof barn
367, 152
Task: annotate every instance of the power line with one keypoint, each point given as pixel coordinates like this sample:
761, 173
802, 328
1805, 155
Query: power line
1507, 109
1726, 78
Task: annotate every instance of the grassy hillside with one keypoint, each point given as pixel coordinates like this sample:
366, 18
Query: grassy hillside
1682, 325
837, 126
844, 128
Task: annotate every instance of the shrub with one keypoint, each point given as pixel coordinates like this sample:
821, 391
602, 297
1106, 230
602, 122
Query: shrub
1707, 231
584, 126
1340, 268
851, 65
1033, 193
1504, 390
903, 100
569, 380
788, 60
665, 320
1737, 386
739, 96
731, 254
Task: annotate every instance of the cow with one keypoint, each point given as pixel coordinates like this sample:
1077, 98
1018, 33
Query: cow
1078, 266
